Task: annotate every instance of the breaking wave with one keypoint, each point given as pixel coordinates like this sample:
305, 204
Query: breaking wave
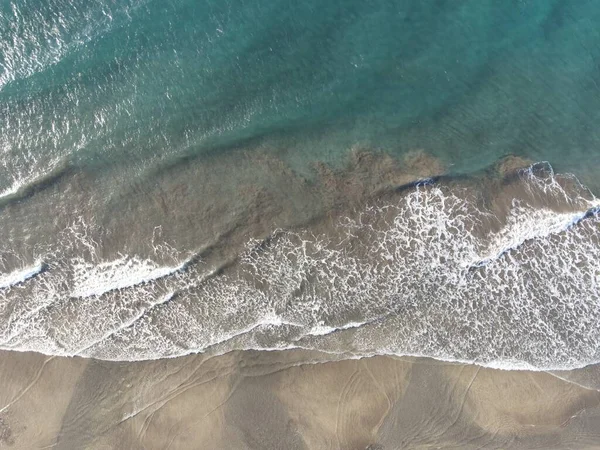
20, 276
506, 279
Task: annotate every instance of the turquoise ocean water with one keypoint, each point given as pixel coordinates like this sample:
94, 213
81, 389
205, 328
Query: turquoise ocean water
102, 100
102, 83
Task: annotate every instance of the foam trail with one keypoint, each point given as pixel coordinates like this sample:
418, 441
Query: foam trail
322, 330
128, 323
422, 275
266, 321
9, 192
538, 224
25, 185
125, 272
21, 275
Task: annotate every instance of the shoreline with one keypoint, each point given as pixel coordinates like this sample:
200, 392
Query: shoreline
375, 264
268, 400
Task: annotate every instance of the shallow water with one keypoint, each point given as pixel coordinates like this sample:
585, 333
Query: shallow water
144, 147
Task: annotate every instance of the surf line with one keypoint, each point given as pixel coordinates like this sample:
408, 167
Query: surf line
21, 276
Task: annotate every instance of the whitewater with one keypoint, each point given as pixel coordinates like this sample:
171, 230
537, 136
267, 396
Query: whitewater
512, 283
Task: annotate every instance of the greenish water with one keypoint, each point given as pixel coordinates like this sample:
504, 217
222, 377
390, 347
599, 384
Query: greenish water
144, 82
143, 144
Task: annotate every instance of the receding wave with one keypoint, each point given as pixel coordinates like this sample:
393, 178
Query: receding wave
507, 279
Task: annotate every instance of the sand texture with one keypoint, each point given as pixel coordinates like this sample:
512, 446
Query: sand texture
290, 400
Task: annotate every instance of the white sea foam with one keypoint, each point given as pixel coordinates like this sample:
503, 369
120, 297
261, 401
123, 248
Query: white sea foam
20, 276
11, 190
526, 223
126, 323
423, 277
22, 171
20, 184
322, 330
98, 279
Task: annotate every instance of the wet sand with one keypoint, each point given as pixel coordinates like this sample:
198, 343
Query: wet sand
278, 400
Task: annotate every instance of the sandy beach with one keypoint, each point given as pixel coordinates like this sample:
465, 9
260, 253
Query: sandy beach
353, 225
233, 397
290, 400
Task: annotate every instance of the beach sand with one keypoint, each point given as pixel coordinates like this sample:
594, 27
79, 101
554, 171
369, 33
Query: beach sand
290, 400
271, 400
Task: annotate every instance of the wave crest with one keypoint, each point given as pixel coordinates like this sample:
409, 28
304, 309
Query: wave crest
511, 282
